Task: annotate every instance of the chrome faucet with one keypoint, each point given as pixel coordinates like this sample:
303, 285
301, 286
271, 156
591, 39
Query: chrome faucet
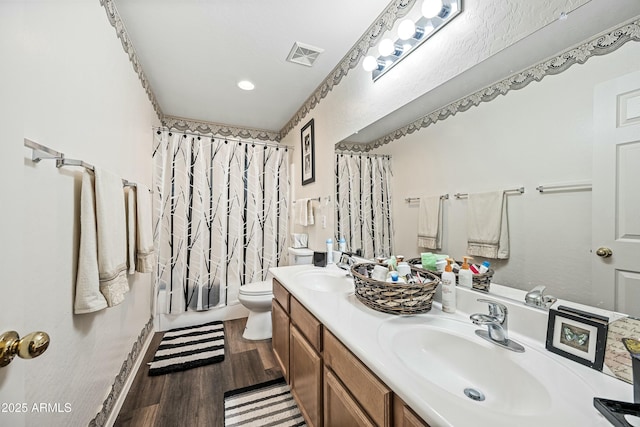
345, 263
536, 298
497, 323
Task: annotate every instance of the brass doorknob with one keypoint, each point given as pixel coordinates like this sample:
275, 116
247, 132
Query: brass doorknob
30, 346
604, 252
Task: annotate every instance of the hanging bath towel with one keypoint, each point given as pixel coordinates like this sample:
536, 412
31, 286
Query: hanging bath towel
487, 225
88, 297
131, 231
112, 236
145, 251
303, 209
430, 223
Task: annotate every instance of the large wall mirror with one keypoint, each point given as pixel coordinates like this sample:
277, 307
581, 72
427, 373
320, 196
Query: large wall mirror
544, 133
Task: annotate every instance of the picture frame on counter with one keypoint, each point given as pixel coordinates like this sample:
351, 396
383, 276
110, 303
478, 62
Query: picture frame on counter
577, 335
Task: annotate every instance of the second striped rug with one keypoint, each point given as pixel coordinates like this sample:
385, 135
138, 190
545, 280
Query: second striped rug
265, 404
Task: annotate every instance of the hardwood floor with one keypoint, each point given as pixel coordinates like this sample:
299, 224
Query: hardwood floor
195, 397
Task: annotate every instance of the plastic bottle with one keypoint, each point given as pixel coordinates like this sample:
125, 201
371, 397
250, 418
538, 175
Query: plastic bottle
448, 289
329, 251
342, 245
465, 277
484, 267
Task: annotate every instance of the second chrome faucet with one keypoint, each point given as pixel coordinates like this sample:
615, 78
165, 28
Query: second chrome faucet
497, 326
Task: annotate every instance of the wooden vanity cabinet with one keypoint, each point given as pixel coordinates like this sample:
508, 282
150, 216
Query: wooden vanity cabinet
331, 386
403, 416
280, 327
305, 362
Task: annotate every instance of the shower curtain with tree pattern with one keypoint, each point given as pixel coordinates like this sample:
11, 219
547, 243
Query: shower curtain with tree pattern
221, 217
363, 203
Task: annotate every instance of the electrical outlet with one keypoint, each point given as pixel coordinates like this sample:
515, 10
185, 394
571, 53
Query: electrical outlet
324, 221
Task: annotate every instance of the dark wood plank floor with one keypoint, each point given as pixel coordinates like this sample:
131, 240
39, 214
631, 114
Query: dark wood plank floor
195, 397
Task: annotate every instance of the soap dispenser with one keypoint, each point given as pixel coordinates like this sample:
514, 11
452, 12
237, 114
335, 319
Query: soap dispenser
465, 277
448, 289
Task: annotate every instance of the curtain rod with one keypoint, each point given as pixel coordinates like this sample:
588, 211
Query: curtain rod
41, 152
267, 143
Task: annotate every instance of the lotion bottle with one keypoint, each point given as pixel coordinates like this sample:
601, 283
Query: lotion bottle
448, 289
329, 251
465, 277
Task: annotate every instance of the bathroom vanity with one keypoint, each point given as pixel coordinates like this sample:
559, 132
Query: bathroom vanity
350, 365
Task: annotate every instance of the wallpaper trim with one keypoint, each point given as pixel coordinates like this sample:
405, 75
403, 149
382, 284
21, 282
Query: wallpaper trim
600, 45
217, 129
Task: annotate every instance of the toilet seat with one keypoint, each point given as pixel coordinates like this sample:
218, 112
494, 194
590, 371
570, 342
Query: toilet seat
256, 289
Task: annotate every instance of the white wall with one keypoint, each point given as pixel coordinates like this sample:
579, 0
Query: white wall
542, 134
80, 96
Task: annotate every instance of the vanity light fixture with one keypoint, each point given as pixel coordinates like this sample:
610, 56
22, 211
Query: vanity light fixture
246, 85
435, 14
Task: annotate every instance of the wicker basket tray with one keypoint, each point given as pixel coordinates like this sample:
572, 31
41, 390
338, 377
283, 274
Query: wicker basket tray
394, 298
481, 282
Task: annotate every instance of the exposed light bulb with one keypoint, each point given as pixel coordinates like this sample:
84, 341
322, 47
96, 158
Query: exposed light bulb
406, 29
369, 63
431, 8
386, 47
246, 85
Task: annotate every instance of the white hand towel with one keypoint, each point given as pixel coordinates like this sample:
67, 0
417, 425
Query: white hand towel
303, 212
488, 225
112, 236
145, 251
430, 223
131, 230
88, 297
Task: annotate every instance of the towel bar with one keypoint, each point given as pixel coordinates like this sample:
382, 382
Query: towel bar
513, 190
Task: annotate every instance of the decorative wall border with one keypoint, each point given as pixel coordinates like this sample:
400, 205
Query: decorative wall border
183, 125
127, 366
600, 45
116, 22
396, 10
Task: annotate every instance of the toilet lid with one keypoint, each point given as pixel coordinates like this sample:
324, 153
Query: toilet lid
257, 288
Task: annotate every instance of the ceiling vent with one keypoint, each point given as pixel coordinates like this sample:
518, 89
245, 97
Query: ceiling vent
304, 54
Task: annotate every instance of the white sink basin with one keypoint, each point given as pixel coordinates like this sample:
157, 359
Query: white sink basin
325, 280
518, 388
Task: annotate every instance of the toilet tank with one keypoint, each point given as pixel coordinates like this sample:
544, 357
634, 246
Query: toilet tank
299, 256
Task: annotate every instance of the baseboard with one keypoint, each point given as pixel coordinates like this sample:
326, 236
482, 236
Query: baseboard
118, 393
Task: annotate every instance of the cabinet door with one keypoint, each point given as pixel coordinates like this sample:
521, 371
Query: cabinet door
403, 416
305, 375
340, 410
280, 337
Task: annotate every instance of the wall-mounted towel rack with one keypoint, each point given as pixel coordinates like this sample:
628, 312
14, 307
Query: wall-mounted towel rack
512, 190
417, 199
41, 152
586, 186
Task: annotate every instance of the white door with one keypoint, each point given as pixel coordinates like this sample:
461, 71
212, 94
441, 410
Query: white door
616, 195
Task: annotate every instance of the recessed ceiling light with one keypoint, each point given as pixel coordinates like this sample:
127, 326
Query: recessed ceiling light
246, 85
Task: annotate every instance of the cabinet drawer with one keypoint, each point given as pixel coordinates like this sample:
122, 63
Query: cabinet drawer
308, 325
281, 295
364, 386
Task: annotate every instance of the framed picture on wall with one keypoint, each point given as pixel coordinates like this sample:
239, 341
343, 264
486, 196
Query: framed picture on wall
308, 153
577, 335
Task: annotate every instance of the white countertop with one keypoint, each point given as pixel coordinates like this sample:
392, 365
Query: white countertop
357, 328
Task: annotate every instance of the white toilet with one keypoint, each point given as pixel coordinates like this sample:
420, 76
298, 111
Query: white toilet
257, 296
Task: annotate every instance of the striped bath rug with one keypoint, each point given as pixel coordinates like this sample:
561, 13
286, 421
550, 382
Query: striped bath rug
190, 347
265, 404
